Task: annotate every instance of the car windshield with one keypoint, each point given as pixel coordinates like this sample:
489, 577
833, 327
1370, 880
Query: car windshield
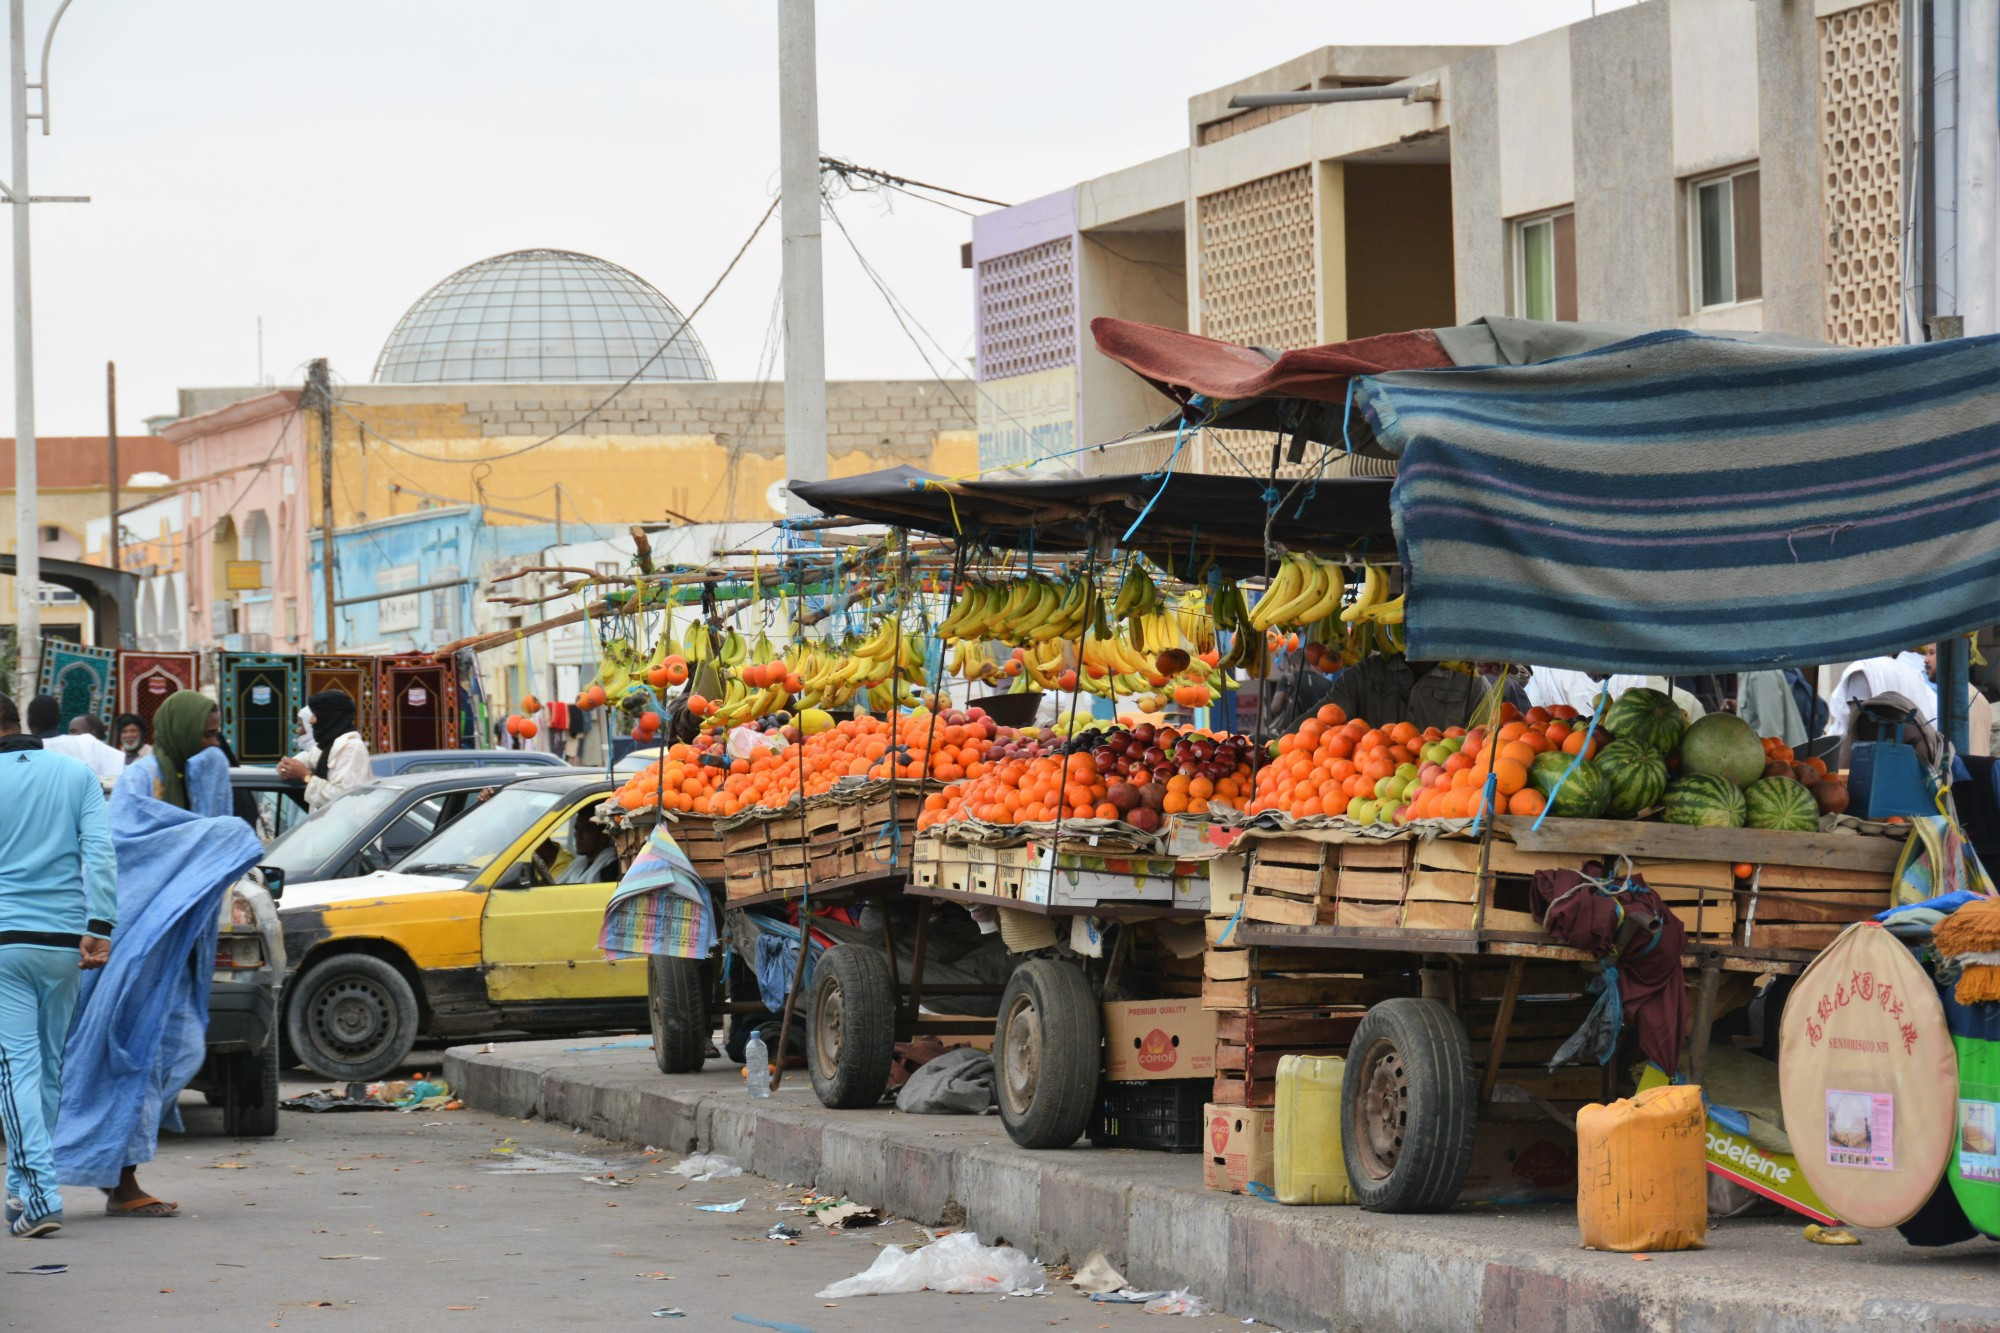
470, 842
330, 829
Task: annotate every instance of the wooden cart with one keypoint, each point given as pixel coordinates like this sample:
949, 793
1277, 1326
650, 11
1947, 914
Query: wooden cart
1462, 993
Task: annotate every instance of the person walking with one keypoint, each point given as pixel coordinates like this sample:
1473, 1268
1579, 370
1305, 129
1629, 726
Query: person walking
44, 717
83, 744
141, 1027
58, 904
337, 763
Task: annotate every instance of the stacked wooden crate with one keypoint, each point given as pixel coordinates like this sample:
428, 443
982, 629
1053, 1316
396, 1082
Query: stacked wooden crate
746, 859
698, 841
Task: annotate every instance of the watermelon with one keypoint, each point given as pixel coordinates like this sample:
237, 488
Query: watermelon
1635, 776
1647, 716
1780, 803
1726, 746
1581, 796
1704, 801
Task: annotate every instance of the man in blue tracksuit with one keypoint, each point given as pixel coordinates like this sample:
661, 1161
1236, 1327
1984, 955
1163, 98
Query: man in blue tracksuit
58, 902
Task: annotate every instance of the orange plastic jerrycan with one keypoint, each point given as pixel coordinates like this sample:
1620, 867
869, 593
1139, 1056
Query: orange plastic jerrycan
1642, 1173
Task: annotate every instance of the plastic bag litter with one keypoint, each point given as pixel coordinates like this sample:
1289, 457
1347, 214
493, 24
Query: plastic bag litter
1182, 1302
707, 1166
958, 1263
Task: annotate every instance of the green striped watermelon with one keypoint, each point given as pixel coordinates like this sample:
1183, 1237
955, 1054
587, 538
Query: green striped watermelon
1634, 774
1582, 795
1704, 801
1647, 716
1781, 803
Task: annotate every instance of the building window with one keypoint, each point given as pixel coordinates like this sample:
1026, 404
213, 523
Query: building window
1725, 249
1545, 266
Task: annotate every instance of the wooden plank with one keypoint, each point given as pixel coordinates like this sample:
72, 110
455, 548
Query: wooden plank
1507, 859
1421, 915
1443, 886
1757, 846
1291, 851
1319, 992
1380, 886
1806, 877
1374, 941
1285, 879
1487, 983
1772, 908
1792, 937
1244, 1027
1288, 911
1237, 964
1353, 913
1374, 856
1716, 875
1500, 919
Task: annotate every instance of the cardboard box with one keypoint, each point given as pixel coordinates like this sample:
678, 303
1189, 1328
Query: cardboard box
1079, 880
1527, 1161
1151, 1039
1240, 1146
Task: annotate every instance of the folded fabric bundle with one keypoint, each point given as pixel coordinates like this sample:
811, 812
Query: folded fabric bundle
1970, 936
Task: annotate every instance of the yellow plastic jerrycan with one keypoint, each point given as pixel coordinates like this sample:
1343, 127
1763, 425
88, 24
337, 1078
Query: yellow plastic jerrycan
1642, 1172
1307, 1160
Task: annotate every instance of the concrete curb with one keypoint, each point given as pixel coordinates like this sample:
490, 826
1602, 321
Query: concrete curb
1295, 1268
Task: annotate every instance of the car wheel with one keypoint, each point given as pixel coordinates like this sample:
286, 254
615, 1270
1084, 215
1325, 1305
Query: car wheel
1047, 1050
352, 1017
851, 1026
1408, 1108
677, 1003
250, 1092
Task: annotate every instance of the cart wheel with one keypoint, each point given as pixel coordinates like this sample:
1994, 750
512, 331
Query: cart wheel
677, 1002
1046, 1053
1408, 1110
851, 1026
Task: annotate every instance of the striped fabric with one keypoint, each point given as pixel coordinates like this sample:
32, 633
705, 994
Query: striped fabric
660, 906
1682, 504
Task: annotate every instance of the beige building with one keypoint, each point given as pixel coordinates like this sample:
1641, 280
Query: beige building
1728, 164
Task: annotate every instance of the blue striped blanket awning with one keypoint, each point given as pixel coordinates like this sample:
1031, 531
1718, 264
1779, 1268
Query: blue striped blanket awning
1683, 504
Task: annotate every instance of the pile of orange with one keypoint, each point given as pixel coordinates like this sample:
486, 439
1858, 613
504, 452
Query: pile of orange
1027, 791
913, 747
1333, 762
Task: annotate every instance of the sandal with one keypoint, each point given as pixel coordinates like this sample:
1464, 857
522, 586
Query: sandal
143, 1206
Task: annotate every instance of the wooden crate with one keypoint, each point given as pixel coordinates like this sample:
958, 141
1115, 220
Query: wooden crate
1805, 907
695, 835
1250, 1043
747, 837
1291, 882
1227, 876
748, 873
1371, 884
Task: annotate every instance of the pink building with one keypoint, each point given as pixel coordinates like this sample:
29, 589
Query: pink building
248, 565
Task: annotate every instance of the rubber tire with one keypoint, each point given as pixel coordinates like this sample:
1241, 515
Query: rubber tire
854, 1072
389, 988
1055, 1107
250, 1092
677, 1003
1440, 1107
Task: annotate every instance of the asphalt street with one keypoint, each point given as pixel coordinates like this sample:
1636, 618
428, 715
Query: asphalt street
434, 1219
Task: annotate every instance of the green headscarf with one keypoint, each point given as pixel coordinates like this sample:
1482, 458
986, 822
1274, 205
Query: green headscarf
177, 729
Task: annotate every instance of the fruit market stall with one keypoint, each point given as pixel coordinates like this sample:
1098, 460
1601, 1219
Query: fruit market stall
1508, 888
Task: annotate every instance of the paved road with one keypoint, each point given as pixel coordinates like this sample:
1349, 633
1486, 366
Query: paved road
437, 1220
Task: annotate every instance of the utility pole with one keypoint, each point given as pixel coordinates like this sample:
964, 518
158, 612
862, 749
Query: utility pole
319, 388
116, 559
805, 307
27, 506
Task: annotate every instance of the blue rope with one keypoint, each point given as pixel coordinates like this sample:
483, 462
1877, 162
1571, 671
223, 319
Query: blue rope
1573, 764
1166, 476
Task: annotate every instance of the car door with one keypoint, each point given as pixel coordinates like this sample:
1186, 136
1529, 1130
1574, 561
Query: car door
403, 835
539, 938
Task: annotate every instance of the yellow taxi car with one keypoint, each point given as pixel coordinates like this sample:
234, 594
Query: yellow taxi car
490, 925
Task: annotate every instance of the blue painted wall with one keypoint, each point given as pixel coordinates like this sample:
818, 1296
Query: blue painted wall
412, 550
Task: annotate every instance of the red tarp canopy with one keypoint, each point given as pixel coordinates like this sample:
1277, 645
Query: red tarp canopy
1181, 364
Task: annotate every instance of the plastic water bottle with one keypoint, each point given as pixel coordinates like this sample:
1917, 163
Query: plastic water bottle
757, 1065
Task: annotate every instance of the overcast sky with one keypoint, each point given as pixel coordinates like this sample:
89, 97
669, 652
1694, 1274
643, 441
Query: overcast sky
321, 166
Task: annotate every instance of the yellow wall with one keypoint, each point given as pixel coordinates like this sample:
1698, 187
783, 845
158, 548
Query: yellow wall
70, 509
632, 471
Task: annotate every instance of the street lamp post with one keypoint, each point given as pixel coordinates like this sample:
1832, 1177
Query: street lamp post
27, 506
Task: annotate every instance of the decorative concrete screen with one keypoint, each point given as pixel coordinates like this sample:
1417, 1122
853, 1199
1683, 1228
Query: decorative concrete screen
1257, 271
1027, 310
1861, 138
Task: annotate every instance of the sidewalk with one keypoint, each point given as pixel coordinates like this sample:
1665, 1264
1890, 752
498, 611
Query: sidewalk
1299, 1268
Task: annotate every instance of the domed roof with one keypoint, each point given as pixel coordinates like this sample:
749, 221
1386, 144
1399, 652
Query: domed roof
541, 316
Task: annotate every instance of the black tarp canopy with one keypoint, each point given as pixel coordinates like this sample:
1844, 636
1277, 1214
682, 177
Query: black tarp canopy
1214, 516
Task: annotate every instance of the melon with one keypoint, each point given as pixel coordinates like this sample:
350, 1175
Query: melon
1582, 795
1704, 800
1725, 746
1647, 716
1780, 803
1635, 777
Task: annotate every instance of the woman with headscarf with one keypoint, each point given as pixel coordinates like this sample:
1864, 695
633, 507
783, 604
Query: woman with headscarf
141, 1027
338, 760
129, 734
